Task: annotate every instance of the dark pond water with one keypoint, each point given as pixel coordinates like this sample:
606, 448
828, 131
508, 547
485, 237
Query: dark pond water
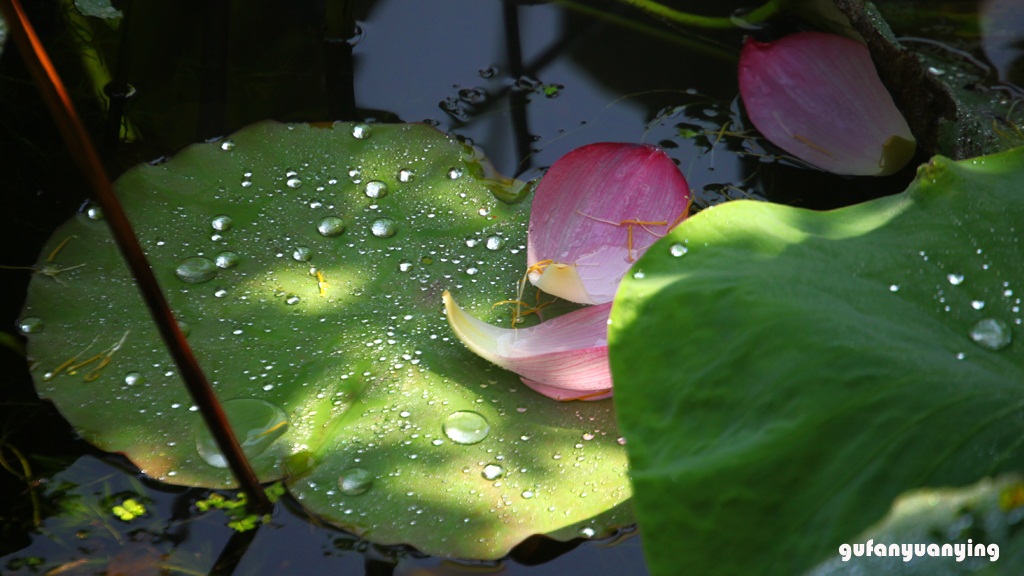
526, 83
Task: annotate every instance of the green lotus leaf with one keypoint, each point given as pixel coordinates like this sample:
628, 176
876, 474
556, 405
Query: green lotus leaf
782, 375
307, 264
939, 524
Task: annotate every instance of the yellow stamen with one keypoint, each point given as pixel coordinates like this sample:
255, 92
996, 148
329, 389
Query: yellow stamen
629, 228
586, 396
272, 428
59, 248
321, 283
806, 141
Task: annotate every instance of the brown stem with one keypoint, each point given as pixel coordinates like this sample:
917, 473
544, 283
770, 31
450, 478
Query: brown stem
85, 155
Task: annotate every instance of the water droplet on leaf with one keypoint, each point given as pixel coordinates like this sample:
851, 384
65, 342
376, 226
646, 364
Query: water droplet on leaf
257, 423
355, 481
376, 189
222, 222
30, 325
384, 228
196, 270
495, 242
466, 427
493, 472
331, 226
991, 333
302, 253
361, 131
226, 260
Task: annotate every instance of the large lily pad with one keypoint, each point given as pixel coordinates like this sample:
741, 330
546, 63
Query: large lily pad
308, 264
782, 375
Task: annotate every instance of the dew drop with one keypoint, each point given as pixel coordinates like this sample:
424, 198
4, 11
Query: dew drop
294, 182
376, 189
894, 288
362, 131
991, 333
404, 266
406, 175
639, 275
226, 260
133, 378
30, 325
493, 472
472, 270
257, 423
292, 299
302, 253
355, 481
466, 427
220, 292
495, 242
384, 228
587, 532
955, 279
977, 304
227, 145
528, 494
677, 250
94, 212
196, 270
222, 222
331, 226
455, 173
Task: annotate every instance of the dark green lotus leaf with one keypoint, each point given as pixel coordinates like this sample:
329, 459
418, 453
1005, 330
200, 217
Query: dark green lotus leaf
307, 265
986, 514
782, 375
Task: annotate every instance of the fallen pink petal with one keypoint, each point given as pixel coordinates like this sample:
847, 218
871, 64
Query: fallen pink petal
595, 212
565, 358
818, 97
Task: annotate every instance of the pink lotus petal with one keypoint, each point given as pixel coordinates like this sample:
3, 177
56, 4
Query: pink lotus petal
818, 97
565, 358
595, 212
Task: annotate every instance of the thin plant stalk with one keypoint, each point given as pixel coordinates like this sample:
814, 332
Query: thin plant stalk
698, 44
697, 21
